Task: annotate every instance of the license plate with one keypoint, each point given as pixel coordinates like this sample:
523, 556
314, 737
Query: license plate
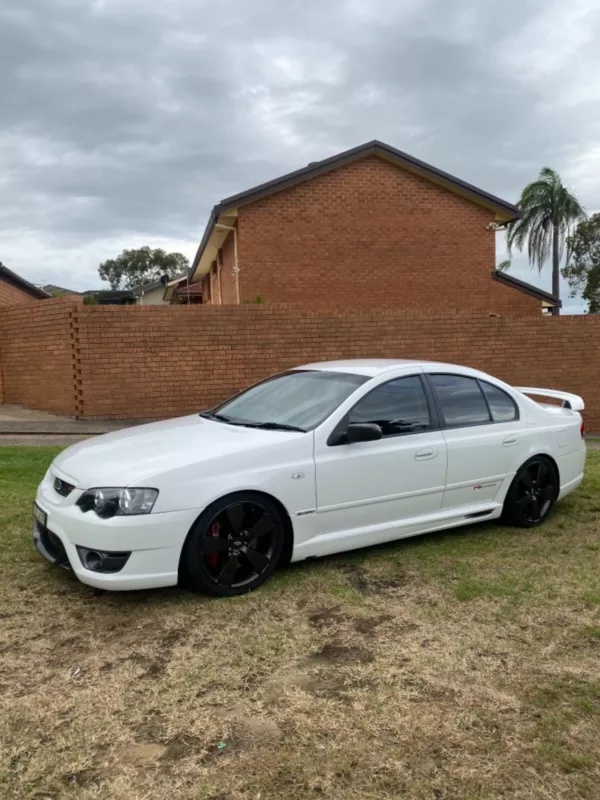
40, 515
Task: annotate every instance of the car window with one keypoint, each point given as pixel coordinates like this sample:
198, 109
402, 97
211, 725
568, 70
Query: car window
398, 406
501, 405
303, 398
461, 399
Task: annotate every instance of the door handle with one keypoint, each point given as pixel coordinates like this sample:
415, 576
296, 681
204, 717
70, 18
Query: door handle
510, 440
423, 455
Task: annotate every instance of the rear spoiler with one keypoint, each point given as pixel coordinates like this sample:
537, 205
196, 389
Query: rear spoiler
572, 401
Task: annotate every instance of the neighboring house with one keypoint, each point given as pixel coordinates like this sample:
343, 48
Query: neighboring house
15, 290
109, 297
165, 292
369, 228
57, 291
158, 293
184, 292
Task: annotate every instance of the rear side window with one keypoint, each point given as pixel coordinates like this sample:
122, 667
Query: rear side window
461, 399
502, 406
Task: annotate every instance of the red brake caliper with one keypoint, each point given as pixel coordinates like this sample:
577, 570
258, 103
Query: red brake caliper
213, 558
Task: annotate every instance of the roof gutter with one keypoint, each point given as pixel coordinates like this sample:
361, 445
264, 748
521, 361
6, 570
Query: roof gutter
526, 288
20, 283
214, 215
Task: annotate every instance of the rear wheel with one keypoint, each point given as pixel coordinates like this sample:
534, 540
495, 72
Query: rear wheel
235, 545
532, 493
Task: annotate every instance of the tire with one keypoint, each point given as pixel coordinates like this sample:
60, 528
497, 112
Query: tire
234, 546
532, 494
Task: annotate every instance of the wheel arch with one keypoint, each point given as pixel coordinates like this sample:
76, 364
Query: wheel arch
288, 545
548, 457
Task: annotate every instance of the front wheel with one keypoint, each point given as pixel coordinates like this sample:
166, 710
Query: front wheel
532, 493
235, 545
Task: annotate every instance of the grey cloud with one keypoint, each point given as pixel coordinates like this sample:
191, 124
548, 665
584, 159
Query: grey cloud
128, 119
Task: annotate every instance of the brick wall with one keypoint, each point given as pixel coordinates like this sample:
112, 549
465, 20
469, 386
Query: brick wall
38, 347
371, 235
150, 362
11, 295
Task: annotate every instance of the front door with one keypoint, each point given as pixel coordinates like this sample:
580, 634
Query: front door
367, 491
483, 435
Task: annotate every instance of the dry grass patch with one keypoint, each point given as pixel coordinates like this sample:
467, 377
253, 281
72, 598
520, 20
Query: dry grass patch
462, 665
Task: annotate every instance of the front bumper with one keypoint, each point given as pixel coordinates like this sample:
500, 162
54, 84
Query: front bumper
154, 540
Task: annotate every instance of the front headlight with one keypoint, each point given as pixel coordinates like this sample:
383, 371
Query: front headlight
115, 502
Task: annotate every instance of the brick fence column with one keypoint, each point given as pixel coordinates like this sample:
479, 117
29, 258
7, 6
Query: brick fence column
78, 408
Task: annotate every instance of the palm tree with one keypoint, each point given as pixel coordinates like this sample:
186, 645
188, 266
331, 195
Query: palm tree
549, 212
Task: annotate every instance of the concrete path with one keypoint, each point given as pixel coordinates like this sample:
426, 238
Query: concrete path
20, 425
16, 420
32, 440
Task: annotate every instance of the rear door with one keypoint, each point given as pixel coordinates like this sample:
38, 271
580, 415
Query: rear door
483, 434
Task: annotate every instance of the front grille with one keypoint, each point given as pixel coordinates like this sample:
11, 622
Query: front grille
62, 488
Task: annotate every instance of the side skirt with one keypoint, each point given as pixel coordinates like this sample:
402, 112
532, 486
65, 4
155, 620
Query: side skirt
340, 541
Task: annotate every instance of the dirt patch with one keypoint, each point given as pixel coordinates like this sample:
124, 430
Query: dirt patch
141, 754
262, 728
360, 579
335, 654
153, 730
81, 779
326, 617
255, 727
182, 747
368, 625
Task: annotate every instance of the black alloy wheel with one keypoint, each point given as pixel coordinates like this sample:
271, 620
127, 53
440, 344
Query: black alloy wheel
532, 494
235, 545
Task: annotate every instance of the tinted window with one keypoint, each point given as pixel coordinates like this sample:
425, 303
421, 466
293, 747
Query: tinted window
302, 398
501, 405
398, 407
461, 399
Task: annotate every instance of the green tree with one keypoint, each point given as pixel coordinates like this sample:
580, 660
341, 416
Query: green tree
583, 268
136, 267
503, 266
549, 212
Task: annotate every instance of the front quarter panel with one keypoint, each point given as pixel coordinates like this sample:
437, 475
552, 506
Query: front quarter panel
283, 469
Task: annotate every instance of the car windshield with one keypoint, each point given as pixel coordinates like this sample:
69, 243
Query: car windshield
298, 400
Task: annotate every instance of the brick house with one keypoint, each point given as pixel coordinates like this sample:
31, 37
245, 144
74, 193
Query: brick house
15, 290
369, 228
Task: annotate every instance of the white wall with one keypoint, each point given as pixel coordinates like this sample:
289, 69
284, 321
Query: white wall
154, 297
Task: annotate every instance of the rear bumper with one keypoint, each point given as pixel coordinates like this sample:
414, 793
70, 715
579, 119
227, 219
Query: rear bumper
154, 542
570, 468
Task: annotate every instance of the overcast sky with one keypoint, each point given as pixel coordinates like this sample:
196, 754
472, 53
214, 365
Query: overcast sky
123, 121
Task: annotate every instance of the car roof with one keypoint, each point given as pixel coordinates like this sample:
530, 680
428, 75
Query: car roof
376, 366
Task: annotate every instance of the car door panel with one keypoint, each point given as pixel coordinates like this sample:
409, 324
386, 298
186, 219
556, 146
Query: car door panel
378, 483
375, 483
484, 443
479, 462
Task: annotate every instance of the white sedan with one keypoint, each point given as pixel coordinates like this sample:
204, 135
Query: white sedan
321, 459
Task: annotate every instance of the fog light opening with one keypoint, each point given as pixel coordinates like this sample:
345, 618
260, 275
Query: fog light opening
94, 561
101, 561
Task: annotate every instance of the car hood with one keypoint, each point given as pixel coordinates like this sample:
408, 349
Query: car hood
133, 455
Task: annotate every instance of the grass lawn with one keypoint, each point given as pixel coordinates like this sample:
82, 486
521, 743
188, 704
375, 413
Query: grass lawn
463, 665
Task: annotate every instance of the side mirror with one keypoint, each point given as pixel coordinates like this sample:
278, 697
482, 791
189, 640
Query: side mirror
363, 432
